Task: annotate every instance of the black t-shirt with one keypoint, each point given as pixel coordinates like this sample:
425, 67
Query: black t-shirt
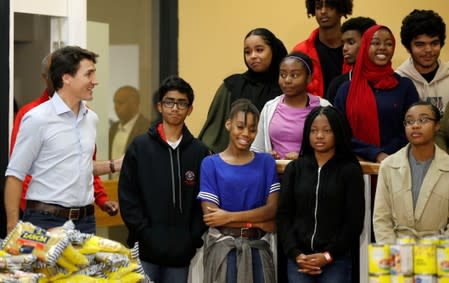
429, 76
331, 60
335, 84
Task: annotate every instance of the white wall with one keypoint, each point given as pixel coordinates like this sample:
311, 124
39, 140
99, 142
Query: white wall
73, 13
98, 42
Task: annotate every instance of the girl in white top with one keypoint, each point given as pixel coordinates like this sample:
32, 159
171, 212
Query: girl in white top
282, 119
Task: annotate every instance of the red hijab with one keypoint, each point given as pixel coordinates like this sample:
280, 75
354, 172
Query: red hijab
361, 106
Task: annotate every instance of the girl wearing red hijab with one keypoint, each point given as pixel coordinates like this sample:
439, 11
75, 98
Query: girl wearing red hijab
376, 99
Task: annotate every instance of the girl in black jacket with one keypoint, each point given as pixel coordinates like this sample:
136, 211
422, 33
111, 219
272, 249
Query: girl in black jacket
322, 201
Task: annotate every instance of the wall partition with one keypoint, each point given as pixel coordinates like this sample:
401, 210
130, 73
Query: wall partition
5, 102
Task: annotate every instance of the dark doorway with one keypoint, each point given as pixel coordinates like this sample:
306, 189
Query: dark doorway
4, 98
168, 39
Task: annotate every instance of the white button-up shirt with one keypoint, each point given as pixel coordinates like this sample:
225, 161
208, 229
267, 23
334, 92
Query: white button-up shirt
55, 147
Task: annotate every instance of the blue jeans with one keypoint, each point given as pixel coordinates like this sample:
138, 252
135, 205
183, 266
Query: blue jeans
231, 273
165, 274
339, 271
47, 220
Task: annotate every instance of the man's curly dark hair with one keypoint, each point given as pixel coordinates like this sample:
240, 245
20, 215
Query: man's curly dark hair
344, 7
420, 22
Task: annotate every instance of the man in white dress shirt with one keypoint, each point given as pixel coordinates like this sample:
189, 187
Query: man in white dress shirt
55, 145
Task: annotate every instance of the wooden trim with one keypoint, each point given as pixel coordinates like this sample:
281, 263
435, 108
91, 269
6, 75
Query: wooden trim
370, 168
103, 219
111, 187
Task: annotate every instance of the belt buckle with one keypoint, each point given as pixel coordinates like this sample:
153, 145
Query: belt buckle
74, 214
242, 232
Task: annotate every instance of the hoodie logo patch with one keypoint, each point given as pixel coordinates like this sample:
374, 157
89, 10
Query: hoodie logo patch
189, 178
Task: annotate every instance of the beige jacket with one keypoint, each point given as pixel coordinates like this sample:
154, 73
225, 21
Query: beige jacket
394, 216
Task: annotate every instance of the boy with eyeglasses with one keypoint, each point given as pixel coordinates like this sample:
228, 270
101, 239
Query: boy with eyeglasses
158, 185
412, 194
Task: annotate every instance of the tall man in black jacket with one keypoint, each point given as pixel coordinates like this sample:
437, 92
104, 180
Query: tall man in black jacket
158, 185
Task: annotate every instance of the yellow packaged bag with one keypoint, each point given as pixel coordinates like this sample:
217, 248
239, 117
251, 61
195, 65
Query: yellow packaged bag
112, 259
26, 238
78, 278
97, 244
17, 262
73, 255
122, 271
53, 272
67, 264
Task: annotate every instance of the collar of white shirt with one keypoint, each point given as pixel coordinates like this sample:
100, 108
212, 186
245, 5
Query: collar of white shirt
129, 125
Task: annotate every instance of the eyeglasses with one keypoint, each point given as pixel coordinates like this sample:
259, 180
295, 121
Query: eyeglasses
171, 103
420, 121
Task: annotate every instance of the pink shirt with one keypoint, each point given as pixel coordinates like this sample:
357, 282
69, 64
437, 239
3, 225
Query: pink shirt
287, 125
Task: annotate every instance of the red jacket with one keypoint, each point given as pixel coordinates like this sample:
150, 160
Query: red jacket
99, 192
316, 85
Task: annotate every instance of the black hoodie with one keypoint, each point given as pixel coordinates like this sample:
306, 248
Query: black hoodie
158, 186
321, 209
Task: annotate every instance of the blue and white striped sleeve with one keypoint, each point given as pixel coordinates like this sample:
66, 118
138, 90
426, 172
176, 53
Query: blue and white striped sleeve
275, 187
208, 186
272, 176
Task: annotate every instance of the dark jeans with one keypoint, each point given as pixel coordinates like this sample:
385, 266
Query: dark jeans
165, 274
231, 273
339, 271
47, 220
282, 263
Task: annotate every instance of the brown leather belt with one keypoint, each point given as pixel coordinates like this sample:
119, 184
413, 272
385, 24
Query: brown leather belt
252, 233
71, 213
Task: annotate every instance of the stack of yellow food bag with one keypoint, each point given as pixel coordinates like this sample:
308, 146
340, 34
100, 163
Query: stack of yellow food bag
63, 254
